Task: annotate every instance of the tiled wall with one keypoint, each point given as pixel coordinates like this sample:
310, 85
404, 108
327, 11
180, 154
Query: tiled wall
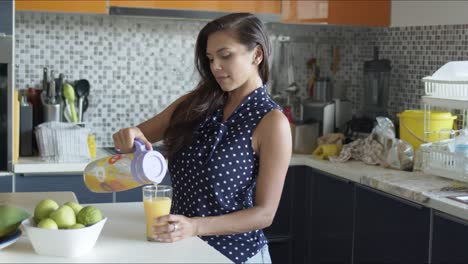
137, 66
417, 52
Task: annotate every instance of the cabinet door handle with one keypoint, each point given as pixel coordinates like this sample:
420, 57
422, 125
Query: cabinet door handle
450, 217
335, 177
278, 239
391, 196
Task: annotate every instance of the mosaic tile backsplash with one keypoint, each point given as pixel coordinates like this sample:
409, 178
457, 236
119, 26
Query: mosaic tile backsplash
137, 66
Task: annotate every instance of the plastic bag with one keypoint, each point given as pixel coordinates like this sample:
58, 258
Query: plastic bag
397, 153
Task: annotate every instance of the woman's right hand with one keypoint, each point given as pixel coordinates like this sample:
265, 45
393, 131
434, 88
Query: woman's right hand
125, 137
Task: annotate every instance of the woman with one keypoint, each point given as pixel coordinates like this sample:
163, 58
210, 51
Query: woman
229, 145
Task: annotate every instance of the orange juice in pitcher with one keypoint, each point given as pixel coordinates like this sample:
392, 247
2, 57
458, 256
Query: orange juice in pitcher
123, 172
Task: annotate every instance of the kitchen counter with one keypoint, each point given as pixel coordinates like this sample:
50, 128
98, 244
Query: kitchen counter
28, 200
123, 240
414, 186
35, 165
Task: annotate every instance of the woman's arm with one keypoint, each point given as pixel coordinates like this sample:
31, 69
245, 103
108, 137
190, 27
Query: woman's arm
272, 142
150, 131
154, 128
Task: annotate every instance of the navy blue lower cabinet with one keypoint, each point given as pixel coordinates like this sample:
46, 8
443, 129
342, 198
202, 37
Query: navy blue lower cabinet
331, 220
73, 183
449, 239
302, 193
6, 183
279, 233
389, 229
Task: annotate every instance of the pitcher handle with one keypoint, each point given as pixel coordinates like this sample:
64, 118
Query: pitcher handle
140, 145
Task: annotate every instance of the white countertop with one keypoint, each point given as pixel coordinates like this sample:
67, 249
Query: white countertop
35, 165
123, 240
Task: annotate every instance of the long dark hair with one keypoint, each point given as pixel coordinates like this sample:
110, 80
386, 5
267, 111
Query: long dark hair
207, 95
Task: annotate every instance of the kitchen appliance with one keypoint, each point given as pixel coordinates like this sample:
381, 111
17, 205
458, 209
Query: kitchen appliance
376, 86
343, 113
6, 83
321, 112
26, 126
322, 90
305, 137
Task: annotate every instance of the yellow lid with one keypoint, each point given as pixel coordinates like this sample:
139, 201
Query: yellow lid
420, 114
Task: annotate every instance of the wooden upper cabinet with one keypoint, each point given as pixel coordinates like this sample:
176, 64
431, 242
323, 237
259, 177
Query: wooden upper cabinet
262, 6
337, 12
73, 6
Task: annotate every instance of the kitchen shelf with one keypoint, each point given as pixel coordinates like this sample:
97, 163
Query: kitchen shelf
34, 165
452, 103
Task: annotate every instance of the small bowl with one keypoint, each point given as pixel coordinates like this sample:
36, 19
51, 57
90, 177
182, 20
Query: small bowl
63, 242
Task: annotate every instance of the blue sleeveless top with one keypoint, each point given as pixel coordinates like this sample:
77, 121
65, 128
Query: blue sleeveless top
216, 173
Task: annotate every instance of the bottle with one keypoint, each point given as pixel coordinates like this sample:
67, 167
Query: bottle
123, 172
92, 146
461, 148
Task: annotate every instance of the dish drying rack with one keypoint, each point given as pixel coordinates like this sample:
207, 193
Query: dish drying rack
446, 90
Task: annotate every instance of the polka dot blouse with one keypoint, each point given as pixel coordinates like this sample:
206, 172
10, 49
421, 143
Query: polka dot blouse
216, 174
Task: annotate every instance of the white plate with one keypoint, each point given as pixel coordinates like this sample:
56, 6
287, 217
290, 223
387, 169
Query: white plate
10, 239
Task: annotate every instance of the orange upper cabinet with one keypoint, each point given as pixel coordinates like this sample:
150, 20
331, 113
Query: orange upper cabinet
75, 6
262, 6
337, 12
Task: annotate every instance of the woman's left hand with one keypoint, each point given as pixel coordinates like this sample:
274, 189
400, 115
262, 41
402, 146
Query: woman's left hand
178, 227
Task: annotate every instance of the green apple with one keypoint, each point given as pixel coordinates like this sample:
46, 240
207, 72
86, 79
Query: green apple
64, 216
89, 215
75, 206
76, 226
44, 208
47, 223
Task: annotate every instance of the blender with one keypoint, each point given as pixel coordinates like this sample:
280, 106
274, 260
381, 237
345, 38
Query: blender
376, 86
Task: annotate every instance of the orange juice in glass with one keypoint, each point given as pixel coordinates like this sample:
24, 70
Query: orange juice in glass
157, 201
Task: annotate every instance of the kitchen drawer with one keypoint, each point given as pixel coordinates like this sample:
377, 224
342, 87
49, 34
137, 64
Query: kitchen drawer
6, 183
73, 183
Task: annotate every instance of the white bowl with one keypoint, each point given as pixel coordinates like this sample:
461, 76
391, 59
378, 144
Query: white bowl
63, 242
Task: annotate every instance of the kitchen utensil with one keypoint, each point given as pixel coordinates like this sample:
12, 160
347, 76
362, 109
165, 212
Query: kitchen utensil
67, 112
343, 113
10, 239
335, 65
314, 73
51, 99
82, 88
305, 137
45, 82
322, 90
85, 104
322, 112
59, 92
294, 103
26, 127
69, 94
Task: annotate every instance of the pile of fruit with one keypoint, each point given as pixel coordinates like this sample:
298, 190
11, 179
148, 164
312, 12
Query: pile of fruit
10, 218
71, 215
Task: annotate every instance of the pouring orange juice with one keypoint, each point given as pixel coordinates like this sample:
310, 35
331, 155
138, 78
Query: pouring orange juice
157, 201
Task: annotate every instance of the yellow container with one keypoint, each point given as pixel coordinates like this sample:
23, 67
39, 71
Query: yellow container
412, 126
92, 146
